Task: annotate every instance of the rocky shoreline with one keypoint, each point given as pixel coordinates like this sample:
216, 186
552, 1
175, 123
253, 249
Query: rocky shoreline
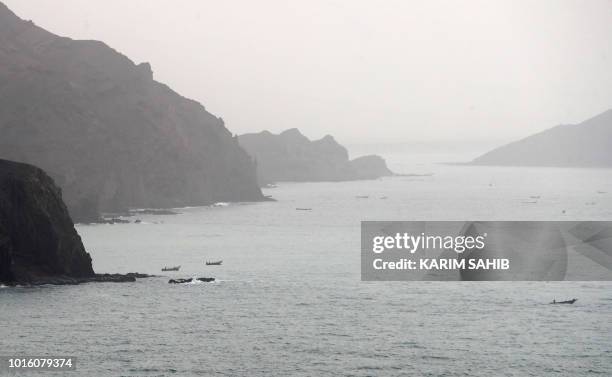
109, 134
190, 280
97, 278
38, 242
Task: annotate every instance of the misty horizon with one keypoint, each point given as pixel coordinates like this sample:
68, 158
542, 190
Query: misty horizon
236, 188
399, 73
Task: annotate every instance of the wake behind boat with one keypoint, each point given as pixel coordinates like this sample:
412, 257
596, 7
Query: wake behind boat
215, 263
175, 268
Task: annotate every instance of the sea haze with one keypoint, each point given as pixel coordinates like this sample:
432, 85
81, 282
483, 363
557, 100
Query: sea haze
289, 299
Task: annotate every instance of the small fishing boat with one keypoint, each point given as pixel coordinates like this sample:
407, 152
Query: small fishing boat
175, 268
215, 263
569, 302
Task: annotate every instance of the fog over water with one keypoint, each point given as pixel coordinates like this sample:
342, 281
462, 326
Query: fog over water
385, 72
418, 83
289, 300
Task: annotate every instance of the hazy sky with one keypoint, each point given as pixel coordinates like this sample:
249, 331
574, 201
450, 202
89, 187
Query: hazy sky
383, 71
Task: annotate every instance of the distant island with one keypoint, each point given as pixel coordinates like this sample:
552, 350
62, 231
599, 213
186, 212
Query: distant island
588, 144
109, 134
291, 156
38, 241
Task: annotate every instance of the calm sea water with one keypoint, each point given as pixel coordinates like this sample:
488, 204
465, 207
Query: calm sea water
289, 300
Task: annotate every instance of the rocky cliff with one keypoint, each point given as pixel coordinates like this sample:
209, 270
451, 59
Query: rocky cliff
37, 237
110, 135
588, 144
369, 167
291, 156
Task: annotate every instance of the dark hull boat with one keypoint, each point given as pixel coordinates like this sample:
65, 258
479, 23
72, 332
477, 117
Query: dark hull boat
217, 263
175, 268
569, 302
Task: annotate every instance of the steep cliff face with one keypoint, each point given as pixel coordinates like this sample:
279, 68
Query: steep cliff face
37, 237
588, 144
110, 135
290, 156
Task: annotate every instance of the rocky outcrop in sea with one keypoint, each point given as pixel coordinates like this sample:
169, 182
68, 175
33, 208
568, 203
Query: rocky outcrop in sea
38, 241
291, 156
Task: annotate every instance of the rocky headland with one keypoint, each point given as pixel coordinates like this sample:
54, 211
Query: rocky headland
291, 156
111, 136
38, 241
587, 144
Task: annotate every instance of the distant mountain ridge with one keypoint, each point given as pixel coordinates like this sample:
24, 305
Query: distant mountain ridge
587, 144
107, 133
291, 156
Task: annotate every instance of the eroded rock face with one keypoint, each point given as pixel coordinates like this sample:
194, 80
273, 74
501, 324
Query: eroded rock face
109, 135
38, 241
291, 156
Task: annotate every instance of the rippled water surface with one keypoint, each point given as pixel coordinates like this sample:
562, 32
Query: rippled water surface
289, 300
